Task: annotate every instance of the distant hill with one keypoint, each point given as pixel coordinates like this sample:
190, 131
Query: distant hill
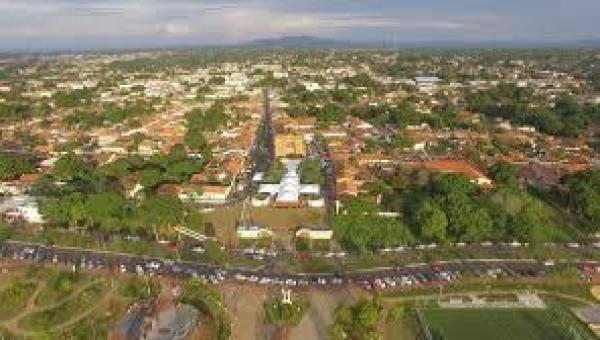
312, 42
301, 42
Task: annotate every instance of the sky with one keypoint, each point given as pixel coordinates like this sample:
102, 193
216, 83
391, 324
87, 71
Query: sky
98, 24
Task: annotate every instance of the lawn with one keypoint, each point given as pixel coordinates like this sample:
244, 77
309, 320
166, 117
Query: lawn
57, 304
406, 329
67, 310
513, 324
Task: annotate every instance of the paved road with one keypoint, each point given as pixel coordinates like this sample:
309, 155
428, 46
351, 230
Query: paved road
406, 276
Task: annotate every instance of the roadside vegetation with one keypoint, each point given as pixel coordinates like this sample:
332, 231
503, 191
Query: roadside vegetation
359, 321
282, 314
209, 301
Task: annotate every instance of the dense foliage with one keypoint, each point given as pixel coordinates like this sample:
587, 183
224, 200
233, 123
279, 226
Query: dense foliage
448, 208
78, 194
311, 171
274, 172
582, 196
108, 114
359, 228
521, 106
199, 122
358, 322
12, 167
282, 314
209, 301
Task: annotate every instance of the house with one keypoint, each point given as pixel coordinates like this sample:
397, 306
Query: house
314, 234
426, 84
253, 232
373, 159
205, 193
458, 167
24, 208
300, 123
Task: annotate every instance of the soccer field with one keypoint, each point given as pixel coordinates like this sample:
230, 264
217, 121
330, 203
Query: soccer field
494, 324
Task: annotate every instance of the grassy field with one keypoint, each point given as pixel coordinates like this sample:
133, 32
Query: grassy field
280, 221
513, 324
51, 303
401, 330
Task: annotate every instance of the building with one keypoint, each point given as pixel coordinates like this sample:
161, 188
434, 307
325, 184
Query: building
22, 207
458, 167
426, 84
314, 234
289, 145
253, 232
211, 194
287, 192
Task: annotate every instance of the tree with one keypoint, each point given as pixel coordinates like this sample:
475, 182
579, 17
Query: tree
196, 141
105, 210
274, 172
281, 314
117, 169
505, 173
12, 167
65, 211
583, 196
360, 229
432, 221
150, 178
396, 313
358, 322
194, 220
71, 166
310, 171
451, 184
208, 300
158, 212
479, 227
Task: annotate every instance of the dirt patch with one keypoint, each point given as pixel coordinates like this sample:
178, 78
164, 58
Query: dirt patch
244, 306
323, 303
225, 222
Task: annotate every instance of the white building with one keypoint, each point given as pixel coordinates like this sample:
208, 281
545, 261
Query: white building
426, 84
24, 207
253, 232
315, 234
289, 189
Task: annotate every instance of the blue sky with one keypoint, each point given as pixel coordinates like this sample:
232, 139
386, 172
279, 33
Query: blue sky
47, 24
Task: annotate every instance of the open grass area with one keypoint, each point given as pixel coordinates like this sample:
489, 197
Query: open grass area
50, 303
65, 310
59, 285
14, 297
406, 329
281, 220
489, 324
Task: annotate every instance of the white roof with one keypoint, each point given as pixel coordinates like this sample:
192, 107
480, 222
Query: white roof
289, 189
309, 189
